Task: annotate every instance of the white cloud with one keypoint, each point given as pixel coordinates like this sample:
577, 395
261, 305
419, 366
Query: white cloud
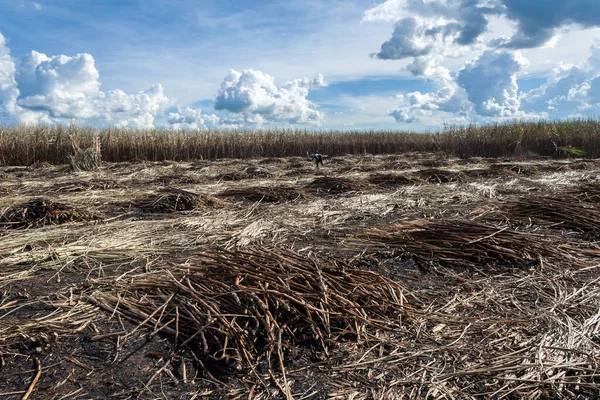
449, 101
538, 21
254, 96
484, 87
132, 110
8, 84
463, 22
188, 118
490, 82
439, 27
37, 6
570, 90
60, 89
61, 86
402, 116
405, 42
434, 31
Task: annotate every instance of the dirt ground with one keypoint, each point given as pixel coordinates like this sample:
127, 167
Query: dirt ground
483, 273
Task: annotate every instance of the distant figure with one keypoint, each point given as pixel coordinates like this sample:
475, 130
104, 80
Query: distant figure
317, 158
554, 149
506, 159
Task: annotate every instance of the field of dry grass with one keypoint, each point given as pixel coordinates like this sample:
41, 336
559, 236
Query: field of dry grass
31, 145
375, 277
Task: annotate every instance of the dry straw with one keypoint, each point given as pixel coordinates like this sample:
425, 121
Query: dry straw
23, 145
247, 306
465, 244
41, 211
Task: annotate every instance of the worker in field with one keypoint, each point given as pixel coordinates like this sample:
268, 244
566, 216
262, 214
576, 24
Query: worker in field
317, 158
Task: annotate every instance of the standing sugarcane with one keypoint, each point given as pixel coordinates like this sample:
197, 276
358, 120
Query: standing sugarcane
317, 158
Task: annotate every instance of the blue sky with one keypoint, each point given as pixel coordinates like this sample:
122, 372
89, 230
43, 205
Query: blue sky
317, 64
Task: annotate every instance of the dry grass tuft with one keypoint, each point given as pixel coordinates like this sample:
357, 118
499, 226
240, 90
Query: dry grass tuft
272, 194
254, 171
395, 165
87, 160
392, 180
297, 162
336, 185
257, 305
82, 186
462, 244
558, 212
41, 211
520, 169
300, 172
170, 200
435, 163
589, 192
359, 168
441, 176
271, 160
169, 180
489, 173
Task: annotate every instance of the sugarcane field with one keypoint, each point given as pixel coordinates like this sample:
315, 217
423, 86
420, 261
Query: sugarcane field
406, 275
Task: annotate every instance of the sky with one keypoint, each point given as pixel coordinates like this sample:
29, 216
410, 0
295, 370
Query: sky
416, 65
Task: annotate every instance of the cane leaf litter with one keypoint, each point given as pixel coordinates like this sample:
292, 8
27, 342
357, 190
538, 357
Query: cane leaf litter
373, 277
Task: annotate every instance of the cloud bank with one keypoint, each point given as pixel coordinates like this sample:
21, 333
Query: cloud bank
61, 89
188, 118
570, 91
8, 84
538, 20
425, 27
425, 32
253, 97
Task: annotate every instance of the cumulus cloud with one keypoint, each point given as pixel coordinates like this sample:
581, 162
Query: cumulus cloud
438, 27
449, 99
487, 88
569, 91
484, 87
402, 116
404, 42
8, 84
490, 82
188, 118
254, 96
425, 32
434, 26
61, 88
538, 20
132, 110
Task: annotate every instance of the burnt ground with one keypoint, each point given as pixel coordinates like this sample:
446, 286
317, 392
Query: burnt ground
496, 263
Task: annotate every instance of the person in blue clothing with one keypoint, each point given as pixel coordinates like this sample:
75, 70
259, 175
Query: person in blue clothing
317, 158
